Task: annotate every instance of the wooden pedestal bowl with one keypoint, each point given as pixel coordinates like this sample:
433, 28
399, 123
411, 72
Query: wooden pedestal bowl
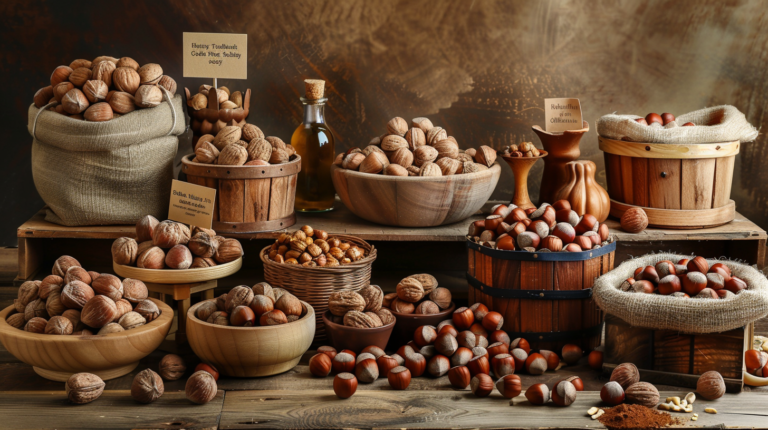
414, 201
172, 276
407, 324
251, 351
109, 355
353, 338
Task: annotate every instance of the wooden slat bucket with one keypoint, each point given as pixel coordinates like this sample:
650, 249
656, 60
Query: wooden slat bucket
682, 186
544, 297
249, 199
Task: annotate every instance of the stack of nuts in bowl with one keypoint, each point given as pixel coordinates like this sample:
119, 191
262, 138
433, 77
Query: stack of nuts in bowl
314, 248
685, 279
418, 294
662, 120
524, 149
105, 88
227, 99
420, 149
362, 309
260, 305
172, 245
468, 348
238, 146
548, 228
74, 301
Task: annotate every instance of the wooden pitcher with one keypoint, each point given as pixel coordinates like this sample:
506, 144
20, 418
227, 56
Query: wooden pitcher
562, 148
583, 192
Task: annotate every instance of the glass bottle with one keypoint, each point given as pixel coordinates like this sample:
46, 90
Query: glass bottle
314, 142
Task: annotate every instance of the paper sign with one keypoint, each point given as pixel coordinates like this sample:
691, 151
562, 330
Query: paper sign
562, 114
215, 55
192, 204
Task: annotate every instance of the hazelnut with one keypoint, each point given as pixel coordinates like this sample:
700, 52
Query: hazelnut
634, 220
386, 364
84, 388
148, 309
536, 364
111, 328
53, 304
229, 250
537, 394
243, 316
595, 360
50, 283
59, 325
145, 228
441, 297
75, 294
320, 365
108, 285
134, 290
625, 374
178, 257
74, 102
151, 258
77, 274
208, 368
124, 251
147, 386
399, 378
463, 318
711, 385
481, 385
205, 310
150, 73
35, 308
427, 307
168, 234
98, 311
344, 385
132, 320
563, 393
172, 367
509, 386
273, 317
289, 304
219, 318
366, 370
612, 393
63, 264
201, 387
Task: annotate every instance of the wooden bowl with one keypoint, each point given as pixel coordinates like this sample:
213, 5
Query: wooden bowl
109, 355
173, 276
407, 324
251, 351
353, 338
411, 201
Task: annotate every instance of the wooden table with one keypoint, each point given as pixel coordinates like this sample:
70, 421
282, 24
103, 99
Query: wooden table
295, 399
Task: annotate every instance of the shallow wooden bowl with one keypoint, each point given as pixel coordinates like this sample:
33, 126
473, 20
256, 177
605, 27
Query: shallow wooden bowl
353, 338
109, 355
251, 351
173, 276
407, 324
412, 201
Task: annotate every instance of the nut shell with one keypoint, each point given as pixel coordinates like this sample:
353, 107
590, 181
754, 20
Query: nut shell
642, 393
341, 302
148, 96
84, 388
625, 374
634, 220
147, 386
410, 290
134, 290
201, 387
126, 79
108, 285
150, 74
711, 385
124, 251
172, 367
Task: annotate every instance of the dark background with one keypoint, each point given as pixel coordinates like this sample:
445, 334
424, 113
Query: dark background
480, 69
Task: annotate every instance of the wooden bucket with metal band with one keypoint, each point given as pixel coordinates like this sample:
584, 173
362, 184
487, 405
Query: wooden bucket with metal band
249, 199
544, 297
679, 186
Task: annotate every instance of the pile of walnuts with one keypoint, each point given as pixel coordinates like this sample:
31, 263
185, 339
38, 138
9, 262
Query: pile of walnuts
260, 305
169, 244
227, 98
314, 248
418, 294
237, 146
362, 309
104, 88
74, 301
419, 150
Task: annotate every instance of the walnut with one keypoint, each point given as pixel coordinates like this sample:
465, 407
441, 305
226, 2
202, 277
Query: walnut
410, 290
229, 250
150, 73
386, 316
436, 134
450, 166
430, 169
238, 296
201, 387
341, 302
227, 135
168, 234
643, 393
259, 149
393, 142
126, 79
397, 126
205, 310
446, 148
263, 289
233, 155
375, 318
148, 309
36, 325
373, 297
110, 328
474, 167
84, 388
206, 153
415, 138
148, 96
402, 307
124, 251
427, 307
147, 386
249, 131
53, 304
203, 245
28, 292
428, 281
172, 367
358, 319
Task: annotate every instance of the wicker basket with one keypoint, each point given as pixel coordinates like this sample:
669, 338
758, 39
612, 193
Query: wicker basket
315, 284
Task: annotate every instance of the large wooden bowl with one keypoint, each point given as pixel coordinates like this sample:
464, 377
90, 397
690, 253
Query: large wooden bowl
172, 276
251, 351
109, 355
413, 201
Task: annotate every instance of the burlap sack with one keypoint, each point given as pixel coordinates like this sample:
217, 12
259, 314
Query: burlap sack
686, 315
713, 125
113, 172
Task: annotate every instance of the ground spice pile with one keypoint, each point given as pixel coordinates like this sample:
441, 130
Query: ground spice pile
636, 417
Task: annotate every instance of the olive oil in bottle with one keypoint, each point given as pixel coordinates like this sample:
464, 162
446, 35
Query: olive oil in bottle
314, 143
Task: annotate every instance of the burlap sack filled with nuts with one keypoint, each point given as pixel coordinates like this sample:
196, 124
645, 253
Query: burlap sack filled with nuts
694, 315
712, 125
114, 172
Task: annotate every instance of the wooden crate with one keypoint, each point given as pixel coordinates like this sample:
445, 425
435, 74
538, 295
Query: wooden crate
545, 298
674, 358
678, 185
249, 199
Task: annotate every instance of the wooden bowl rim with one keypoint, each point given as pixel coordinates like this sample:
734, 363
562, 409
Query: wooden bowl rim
369, 259
328, 322
191, 315
696, 150
166, 316
200, 274
416, 316
494, 169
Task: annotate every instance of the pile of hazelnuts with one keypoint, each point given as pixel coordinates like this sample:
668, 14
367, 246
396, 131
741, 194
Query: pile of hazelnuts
468, 348
662, 119
260, 305
685, 279
548, 228
756, 362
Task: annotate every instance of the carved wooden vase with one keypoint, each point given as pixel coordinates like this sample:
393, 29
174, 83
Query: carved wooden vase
562, 148
583, 192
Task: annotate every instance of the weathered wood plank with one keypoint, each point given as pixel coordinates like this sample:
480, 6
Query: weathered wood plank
697, 181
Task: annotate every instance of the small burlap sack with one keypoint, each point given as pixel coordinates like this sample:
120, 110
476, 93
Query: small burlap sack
99, 173
686, 315
713, 125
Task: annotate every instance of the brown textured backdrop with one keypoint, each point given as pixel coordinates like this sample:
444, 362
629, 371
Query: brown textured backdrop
480, 68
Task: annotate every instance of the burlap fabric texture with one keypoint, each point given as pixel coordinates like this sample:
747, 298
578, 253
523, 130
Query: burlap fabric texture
717, 124
112, 172
694, 315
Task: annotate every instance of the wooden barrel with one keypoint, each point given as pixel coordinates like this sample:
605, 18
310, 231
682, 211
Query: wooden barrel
544, 297
678, 185
249, 199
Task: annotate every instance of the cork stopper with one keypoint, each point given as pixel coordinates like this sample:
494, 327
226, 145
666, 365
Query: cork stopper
315, 88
